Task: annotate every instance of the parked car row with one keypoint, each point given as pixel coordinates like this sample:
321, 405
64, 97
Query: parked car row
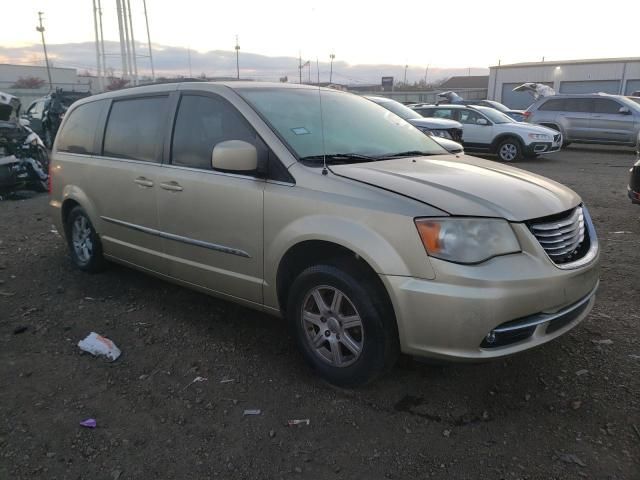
46, 113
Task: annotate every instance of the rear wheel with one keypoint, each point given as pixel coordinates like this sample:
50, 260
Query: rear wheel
84, 244
509, 150
343, 328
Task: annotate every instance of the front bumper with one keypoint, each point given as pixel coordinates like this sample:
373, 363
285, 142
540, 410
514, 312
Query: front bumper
541, 148
452, 316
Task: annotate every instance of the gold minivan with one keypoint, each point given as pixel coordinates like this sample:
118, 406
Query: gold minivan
329, 210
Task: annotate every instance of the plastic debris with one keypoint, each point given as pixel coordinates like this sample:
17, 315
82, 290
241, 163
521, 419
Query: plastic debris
227, 380
89, 423
303, 421
253, 411
195, 380
99, 346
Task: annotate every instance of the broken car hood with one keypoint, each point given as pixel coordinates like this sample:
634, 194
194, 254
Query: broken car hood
466, 186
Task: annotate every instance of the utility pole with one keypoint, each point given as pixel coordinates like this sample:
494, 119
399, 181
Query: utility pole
123, 56
469, 74
98, 61
332, 56
134, 59
189, 59
237, 59
405, 74
40, 29
308, 64
104, 57
146, 19
300, 66
426, 75
127, 41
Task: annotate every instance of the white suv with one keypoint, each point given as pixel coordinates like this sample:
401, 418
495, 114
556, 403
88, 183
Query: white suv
487, 130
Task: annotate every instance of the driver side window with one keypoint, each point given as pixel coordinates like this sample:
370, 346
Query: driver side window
203, 122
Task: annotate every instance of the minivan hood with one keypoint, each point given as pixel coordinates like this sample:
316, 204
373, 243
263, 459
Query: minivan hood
465, 185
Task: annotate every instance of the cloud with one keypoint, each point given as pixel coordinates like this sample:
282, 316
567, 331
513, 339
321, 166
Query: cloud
174, 61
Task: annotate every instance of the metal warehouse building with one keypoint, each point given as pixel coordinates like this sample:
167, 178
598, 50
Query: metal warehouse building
609, 75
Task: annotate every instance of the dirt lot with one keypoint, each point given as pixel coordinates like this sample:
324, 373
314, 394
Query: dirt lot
570, 409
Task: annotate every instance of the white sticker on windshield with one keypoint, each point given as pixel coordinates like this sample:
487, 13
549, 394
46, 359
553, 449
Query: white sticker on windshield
300, 131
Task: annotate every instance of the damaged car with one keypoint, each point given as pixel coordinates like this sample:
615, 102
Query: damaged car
24, 160
45, 114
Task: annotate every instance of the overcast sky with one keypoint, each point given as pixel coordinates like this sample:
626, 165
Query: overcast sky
464, 33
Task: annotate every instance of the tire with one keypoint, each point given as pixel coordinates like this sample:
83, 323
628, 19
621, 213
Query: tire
78, 231
509, 150
365, 349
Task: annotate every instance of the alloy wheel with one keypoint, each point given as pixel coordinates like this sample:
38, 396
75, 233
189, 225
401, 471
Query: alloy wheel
333, 326
81, 239
508, 152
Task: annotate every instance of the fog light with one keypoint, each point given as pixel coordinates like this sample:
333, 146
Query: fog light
491, 337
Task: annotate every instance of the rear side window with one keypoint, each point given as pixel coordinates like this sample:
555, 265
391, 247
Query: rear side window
134, 129
79, 130
553, 105
604, 105
578, 105
201, 123
443, 113
425, 112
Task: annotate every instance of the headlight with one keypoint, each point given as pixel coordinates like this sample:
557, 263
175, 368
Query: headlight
539, 136
441, 134
466, 240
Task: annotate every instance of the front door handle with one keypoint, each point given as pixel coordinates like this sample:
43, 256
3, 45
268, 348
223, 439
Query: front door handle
171, 186
143, 182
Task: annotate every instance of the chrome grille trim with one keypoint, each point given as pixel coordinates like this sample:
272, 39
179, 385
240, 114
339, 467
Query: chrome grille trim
563, 240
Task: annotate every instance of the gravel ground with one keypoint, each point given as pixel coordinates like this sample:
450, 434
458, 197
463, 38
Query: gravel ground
570, 409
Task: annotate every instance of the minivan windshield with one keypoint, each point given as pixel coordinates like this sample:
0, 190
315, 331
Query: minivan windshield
494, 115
347, 128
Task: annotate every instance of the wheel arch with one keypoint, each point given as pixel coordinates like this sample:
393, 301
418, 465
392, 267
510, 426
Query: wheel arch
74, 196
503, 136
307, 253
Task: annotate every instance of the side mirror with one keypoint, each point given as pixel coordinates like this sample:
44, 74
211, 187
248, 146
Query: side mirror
234, 156
482, 121
624, 110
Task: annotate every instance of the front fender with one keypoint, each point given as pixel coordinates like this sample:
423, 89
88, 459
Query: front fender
375, 249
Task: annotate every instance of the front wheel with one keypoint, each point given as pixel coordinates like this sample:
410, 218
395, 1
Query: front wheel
344, 329
84, 244
509, 150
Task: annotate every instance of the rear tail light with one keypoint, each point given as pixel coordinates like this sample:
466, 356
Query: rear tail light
526, 115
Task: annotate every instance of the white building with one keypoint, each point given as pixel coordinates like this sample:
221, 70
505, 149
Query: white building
610, 75
65, 78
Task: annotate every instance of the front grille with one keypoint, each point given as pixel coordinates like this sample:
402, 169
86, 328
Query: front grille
556, 138
564, 236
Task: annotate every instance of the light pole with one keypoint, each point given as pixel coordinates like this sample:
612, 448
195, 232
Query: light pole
237, 59
40, 29
331, 56
426, 75
405, 74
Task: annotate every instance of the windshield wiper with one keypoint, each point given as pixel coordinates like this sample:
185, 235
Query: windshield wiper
339, 158
409, 153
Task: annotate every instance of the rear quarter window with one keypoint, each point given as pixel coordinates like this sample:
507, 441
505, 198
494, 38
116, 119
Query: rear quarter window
134, 128
553, 105
78, 134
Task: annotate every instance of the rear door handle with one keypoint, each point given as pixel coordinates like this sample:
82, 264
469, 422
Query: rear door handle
171, 186
143, 182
